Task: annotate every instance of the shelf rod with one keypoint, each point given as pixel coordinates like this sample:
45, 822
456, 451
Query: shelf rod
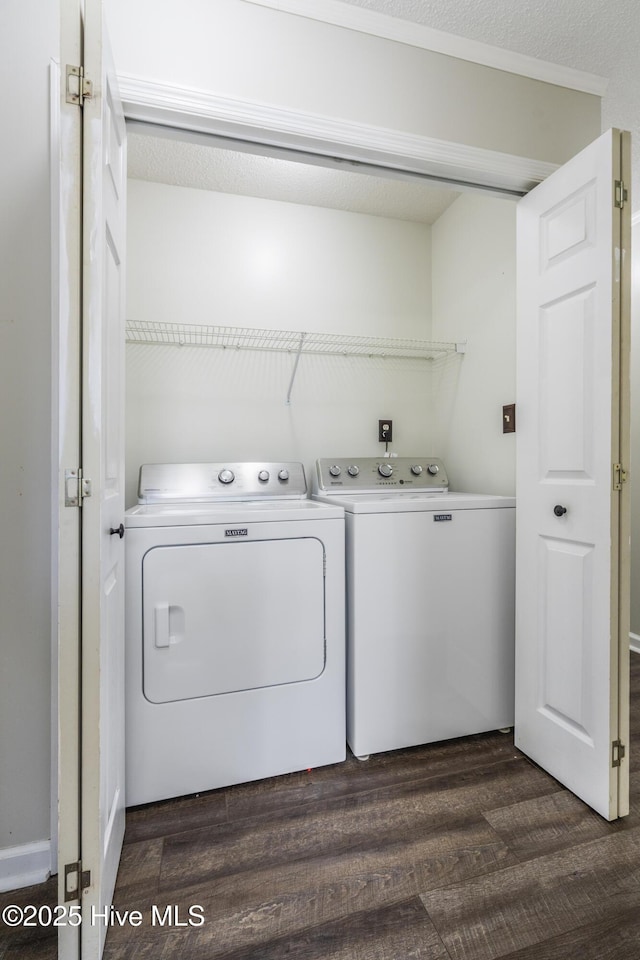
295, 368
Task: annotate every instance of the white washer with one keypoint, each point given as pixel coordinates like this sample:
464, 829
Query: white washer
235, 644
430, 603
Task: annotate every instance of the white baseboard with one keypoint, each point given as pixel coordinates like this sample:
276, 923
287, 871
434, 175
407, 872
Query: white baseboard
634, 642
25, 865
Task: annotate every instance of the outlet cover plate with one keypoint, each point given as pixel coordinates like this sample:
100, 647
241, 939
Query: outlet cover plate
385, 431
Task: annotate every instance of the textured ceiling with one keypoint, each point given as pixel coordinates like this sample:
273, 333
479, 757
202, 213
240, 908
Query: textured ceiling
197, 165
598, 36
584, 34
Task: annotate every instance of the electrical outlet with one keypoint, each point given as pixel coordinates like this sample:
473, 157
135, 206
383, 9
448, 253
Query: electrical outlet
385, 431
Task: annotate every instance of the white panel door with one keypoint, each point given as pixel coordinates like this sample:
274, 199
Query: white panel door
102, 778
572, 647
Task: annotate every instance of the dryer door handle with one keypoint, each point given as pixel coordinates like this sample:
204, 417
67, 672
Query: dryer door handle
162, 637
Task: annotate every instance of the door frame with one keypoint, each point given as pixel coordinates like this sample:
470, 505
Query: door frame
275, 131
622, 245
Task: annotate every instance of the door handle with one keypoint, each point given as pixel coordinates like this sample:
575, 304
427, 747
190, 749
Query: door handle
119, 530
559, 510
162, 637
169, 624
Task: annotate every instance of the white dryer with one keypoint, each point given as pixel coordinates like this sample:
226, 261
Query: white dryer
235, 645
430, 603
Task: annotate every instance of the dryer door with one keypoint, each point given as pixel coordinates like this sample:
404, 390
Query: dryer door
225, 617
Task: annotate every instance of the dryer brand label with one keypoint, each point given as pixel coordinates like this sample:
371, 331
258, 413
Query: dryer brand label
236, 532
442, 516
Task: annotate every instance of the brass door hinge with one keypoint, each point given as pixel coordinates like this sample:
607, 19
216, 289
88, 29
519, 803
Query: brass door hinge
78, 88
619, 476
618, 751
621, 194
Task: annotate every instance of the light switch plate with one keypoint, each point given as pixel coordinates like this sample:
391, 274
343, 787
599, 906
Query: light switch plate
509, 418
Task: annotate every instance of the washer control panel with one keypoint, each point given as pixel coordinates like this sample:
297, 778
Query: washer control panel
373, 474
204, 482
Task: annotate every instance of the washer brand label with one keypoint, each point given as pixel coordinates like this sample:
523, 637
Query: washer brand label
442, 516
236, 532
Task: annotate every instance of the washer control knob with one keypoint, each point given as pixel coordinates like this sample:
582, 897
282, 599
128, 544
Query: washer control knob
416, 469
353, 470
263, 476
226, 476
385, 469
433, 469
283, 475
335, 470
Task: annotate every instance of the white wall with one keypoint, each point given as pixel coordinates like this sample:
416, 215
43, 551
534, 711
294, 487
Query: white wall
206, 257
474, 299
202, 257
240, 50
25, 424
343, 273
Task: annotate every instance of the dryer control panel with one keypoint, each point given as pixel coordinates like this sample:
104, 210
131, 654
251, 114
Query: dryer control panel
377, 474
206, 482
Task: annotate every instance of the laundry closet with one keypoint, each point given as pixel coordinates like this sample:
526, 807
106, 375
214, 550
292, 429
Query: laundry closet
434, 303
352, 258
279, 321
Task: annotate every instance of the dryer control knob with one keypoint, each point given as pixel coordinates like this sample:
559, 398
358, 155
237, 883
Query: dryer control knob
283, 475
416, 469
335, 470
226, 476
353, 470
385, 469
263, 476
433, 469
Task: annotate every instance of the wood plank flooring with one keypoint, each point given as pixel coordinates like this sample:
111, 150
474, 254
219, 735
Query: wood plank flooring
452, 851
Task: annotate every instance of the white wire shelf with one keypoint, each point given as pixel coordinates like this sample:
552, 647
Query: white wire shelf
247, 338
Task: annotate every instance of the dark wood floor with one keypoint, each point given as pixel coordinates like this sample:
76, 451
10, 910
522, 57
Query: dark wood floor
460, 851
